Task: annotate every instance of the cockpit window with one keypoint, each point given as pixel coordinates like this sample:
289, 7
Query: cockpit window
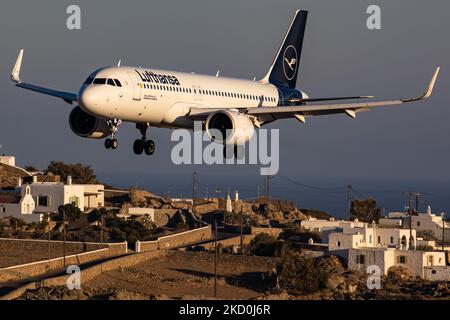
118, 83
99, 81
89, 80
111, 82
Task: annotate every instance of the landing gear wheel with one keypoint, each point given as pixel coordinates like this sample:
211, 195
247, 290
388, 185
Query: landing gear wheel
138, 146
108, 143
149, 147
114, 144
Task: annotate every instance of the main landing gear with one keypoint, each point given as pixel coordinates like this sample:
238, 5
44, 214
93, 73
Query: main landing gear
112, 143
143, 145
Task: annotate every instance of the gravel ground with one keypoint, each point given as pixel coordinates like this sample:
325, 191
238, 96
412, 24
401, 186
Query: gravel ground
186, 275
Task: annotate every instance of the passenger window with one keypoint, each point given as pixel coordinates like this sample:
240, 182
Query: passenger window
99, 81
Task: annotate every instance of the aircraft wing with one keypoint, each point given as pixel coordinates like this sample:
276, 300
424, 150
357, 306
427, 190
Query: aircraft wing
68, 97
268, 114
322, 109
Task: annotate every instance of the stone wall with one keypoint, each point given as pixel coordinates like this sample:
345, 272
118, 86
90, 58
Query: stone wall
176, 240
77, 253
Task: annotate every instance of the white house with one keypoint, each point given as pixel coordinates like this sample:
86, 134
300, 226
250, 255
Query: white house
417, 262
9, 160
39, 198
20, 207
420, 222
368, 237
50, 195
127, 212
319, 225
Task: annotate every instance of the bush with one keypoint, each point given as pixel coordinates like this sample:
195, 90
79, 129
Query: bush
299, 273
80, 174
266, 245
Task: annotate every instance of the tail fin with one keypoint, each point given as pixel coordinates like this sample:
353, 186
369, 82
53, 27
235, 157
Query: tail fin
284, 68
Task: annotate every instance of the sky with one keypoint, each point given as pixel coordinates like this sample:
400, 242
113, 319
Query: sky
399, 148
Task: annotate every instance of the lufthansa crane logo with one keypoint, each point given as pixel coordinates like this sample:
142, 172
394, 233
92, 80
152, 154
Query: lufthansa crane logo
290, 60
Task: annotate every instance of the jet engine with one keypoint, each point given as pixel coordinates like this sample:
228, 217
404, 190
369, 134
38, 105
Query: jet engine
229, 127
87, 126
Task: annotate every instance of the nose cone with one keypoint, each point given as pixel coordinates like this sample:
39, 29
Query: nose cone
89, 98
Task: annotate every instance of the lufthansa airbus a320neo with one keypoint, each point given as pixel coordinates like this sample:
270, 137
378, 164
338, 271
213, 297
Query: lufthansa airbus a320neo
233, 107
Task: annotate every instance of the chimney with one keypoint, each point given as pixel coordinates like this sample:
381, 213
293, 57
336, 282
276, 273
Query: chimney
19, 182
69, 180
35, 179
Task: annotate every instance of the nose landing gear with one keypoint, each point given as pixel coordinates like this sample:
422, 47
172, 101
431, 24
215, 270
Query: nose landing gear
112, 143
143, 145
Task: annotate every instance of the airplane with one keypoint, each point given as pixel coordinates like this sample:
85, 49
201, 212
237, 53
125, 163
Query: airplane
233, 107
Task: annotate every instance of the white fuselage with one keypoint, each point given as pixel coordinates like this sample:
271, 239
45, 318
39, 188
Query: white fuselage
164, 98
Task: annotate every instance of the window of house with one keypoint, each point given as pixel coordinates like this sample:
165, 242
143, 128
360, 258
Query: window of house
360, 259
338, 243
370, 238
43, 201
392, 240
75, 201
402, 259
433, 271
418, 223
379, 239
3, 209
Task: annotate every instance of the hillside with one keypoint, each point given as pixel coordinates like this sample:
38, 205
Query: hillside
9, 176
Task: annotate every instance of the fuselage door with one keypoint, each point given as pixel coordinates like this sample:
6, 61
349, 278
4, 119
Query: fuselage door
135, 83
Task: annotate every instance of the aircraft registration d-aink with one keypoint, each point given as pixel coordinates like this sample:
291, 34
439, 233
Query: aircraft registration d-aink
233, 107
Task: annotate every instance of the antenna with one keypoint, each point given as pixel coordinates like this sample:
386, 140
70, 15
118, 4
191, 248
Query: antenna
118, 63
217, 74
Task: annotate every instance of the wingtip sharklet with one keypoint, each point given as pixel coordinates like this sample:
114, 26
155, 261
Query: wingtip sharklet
429, 90
431, 85
15, 73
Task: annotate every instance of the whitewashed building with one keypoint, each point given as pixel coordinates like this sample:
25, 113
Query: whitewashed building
421, 222
39, 198
368, 237
319, 225
416, 262
20, 207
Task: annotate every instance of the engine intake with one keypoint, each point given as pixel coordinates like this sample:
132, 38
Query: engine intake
87, 126
229, 127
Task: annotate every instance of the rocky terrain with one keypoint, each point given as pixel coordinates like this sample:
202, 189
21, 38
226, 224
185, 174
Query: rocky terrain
239, 277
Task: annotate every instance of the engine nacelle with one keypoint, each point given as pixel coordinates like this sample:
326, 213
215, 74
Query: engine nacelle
87, 126
229, 127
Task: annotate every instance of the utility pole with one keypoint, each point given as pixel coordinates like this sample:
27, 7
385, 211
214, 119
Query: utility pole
242, 237
417, 194
48, 242
102, 225
215, 259
443, 230
64, 237
257, 197
194, 191
266, 188
410, 210
349, 201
